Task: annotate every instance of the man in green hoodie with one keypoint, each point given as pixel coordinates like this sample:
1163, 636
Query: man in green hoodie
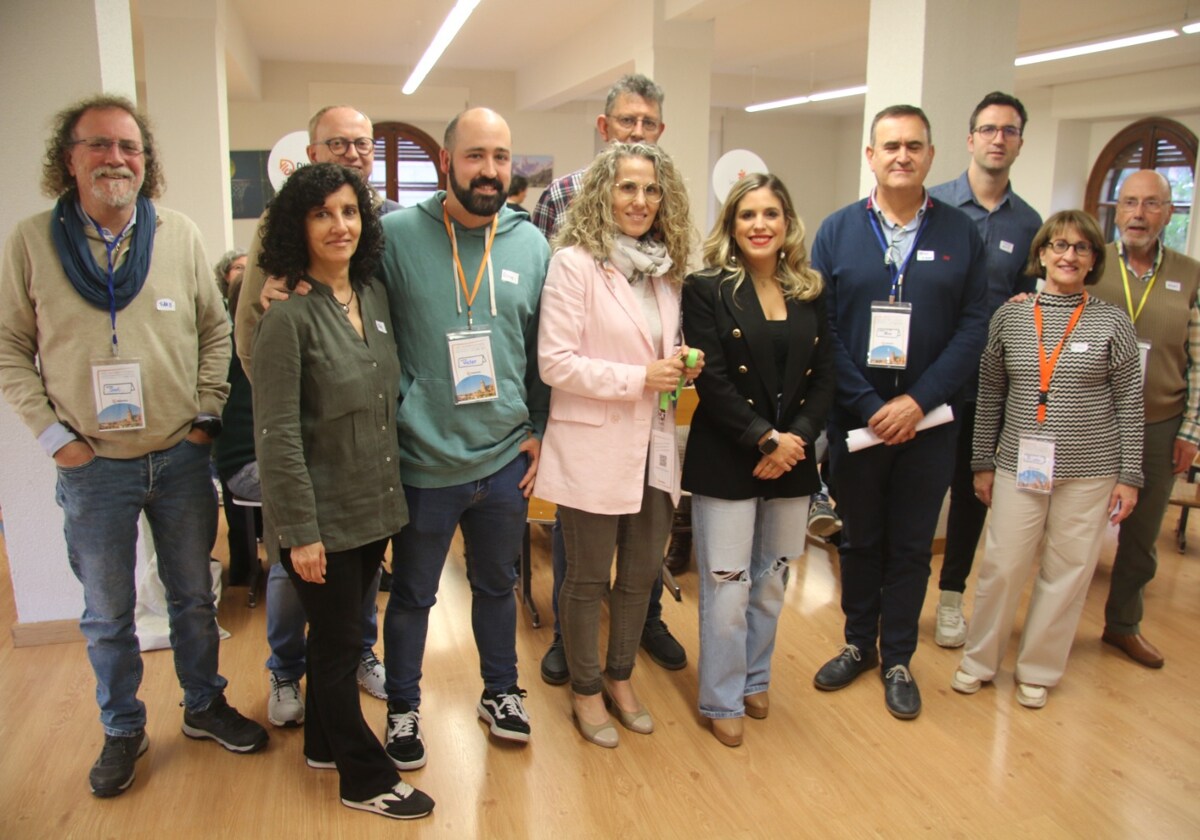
464, 277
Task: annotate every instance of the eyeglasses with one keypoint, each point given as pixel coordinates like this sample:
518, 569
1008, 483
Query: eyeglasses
630, 190
1082, 249
100, 145
1152, 205
339, 145
628, 123
987, 132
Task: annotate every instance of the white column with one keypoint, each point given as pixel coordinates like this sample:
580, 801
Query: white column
52, 53
679, 60
943, 56
184, 46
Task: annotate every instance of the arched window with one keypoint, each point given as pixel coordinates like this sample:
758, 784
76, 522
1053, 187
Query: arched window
405, 163
1154, 143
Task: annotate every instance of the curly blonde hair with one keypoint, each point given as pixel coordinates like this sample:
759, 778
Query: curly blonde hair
590, 222
797, 278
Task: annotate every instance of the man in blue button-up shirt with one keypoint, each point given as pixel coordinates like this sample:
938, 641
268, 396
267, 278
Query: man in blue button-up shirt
1007, 225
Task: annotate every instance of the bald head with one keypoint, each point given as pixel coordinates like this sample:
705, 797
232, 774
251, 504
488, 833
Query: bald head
1143, 210
344, 126
476, 157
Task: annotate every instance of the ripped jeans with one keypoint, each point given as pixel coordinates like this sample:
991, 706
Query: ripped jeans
742, 551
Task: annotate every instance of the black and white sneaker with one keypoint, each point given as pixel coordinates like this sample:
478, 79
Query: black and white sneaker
112, 774
405, 746
505, 713
403, 802
225, 725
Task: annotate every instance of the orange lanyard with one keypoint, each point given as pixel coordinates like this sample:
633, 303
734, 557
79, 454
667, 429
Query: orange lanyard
487, 252
1046, 365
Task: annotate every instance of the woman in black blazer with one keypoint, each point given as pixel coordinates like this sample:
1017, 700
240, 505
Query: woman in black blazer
758, 313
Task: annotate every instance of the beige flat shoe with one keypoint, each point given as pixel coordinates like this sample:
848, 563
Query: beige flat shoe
757, 705
728, 730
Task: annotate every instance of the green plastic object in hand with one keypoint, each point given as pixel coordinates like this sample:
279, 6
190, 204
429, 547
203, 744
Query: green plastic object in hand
664, 399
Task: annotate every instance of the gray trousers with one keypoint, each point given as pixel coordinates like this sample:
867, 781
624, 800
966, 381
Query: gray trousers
1137, 557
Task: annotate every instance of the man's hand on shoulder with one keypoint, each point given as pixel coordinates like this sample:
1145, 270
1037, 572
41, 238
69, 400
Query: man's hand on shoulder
275, 288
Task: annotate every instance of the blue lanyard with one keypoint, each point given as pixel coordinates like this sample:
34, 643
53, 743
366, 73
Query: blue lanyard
897, 271
110, 248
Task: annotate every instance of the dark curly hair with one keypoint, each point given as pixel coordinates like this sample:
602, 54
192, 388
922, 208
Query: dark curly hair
284, 239
58, 180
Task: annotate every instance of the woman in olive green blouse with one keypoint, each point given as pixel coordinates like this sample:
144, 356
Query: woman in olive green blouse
326, 378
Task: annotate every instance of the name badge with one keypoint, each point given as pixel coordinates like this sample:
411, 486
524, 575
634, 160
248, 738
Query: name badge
924, 256
1006, 246
1035, 464
1143, 357
509, 276
117, 386
379, 326
1174, 286
165, 305
472, 372
663, 472
1079, 346
888, 341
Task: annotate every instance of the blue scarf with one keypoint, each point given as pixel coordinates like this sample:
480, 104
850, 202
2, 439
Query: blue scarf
88, 277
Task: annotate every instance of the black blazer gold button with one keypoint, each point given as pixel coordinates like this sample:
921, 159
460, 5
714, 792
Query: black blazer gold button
737, 333
742, 368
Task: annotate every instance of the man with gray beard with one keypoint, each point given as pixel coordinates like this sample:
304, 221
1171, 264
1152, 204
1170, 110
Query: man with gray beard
114, 346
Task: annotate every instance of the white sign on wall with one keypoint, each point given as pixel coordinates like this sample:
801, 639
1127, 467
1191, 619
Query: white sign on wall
731, 167
287, 155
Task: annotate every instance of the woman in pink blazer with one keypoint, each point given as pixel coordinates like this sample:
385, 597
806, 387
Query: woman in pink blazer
609, 344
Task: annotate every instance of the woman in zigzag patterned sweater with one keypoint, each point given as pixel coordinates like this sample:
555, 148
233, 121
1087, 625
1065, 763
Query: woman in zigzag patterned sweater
1057, 452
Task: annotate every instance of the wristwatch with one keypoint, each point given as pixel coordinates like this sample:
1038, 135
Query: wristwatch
211, 426
770, 444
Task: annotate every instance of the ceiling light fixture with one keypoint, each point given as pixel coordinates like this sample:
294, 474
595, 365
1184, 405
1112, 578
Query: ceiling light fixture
800, 100
1102, 46
454, 22
1191, 28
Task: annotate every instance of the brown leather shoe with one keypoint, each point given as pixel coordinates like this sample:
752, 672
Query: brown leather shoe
1135, 647
757, 705
728, 730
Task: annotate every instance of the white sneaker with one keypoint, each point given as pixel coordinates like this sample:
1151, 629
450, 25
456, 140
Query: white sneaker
964, 683
951, 629
371, 675
1031, 696
285, 707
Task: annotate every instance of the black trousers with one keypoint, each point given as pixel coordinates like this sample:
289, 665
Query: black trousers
334, 728
964, 521
889, 498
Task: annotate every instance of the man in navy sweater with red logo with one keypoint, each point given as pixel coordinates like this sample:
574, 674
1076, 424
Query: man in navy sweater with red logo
907, 299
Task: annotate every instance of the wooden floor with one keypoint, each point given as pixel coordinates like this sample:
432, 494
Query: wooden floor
1116, 752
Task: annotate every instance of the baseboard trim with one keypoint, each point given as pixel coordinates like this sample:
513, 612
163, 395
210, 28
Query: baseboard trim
34, 633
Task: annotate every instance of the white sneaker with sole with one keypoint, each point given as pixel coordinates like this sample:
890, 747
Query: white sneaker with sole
1031, 696
371, 675
964, 683
285, 706
951, 631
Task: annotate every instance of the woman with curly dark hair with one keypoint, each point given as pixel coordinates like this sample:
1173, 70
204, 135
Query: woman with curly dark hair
326, 380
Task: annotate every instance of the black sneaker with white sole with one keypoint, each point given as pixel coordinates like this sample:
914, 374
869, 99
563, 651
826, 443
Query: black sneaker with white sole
403, 802
225, 725
505, 713
405, 746
112, 774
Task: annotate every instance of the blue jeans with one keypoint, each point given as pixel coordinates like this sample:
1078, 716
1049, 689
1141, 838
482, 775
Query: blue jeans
742, 549
491, 512
101, 502
286, 618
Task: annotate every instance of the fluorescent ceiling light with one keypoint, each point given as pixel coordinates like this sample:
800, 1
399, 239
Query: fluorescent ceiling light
1102, 46
800, 100
454, 22
1191, 28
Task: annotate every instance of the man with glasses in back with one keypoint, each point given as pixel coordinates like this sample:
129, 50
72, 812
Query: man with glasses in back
114, 347
632, 114
1158, 287
1007, 224
344, 135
